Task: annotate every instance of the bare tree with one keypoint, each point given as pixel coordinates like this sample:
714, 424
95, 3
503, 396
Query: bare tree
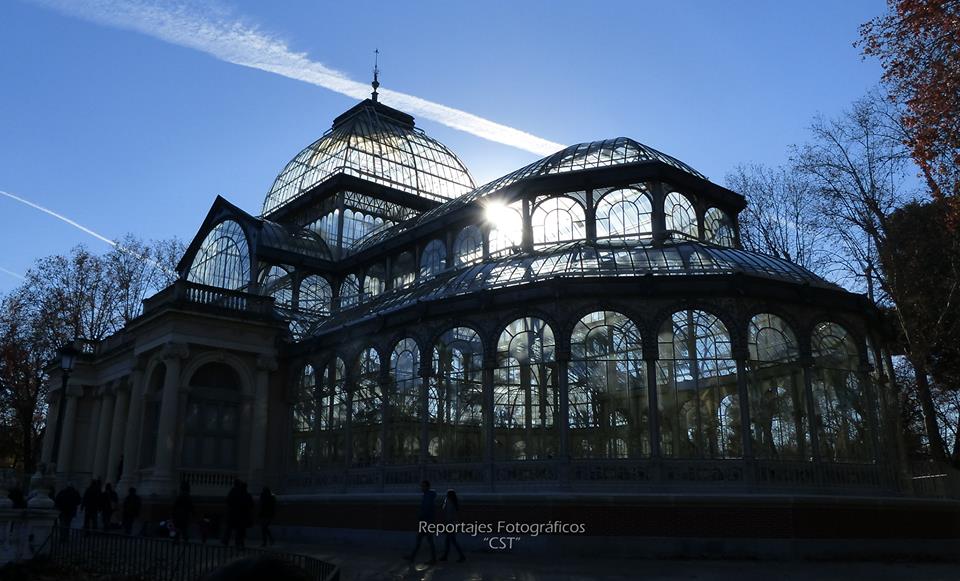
782, 216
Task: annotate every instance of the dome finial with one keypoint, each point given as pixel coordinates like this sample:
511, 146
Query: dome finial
376, 74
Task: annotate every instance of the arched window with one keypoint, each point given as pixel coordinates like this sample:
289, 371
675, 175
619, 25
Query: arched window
625, 213
717, 227
405, 410
778, 417
315, 296
304, 418
558, 219
468, 247
696, 372
357, 225
506, 229
524, 392
841, 409
367, 410
211, 424
223, 259
607, 388
404, 270
332, 413
327, 227
373, 282
277, 282
679, 214
454, 400
433, 259
350, 292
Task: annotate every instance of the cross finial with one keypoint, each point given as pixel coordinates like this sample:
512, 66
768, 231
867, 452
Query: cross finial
376, 74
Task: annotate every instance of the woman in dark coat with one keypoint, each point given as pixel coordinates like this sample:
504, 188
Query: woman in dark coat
108, 504
182, 512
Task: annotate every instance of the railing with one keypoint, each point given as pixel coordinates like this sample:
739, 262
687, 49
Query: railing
932, 479
183, 292
161, 559
209, 478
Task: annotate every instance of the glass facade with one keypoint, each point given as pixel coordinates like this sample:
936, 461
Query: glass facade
223, 259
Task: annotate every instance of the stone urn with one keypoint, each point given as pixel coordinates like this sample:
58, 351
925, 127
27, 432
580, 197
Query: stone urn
41, 485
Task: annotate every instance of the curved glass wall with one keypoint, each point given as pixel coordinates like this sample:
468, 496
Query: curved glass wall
607, 389
332, 413
316, 296
366, 409
468, 246
350, 292
718, 228
625, 214
374, 281
778, 416
404, 270
454, 398
223, 259
679, 215
433, 259
506, 226
525, 392
697, 388
558, 219
405, 409
304, 418
277, 282
838, 394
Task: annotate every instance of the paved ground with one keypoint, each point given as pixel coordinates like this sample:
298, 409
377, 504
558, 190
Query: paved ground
360, 563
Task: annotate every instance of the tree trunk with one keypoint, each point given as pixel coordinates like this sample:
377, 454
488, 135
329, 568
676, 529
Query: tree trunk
26, 448
937, 448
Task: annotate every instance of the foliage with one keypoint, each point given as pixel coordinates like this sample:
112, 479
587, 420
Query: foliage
77, 295
918, 45
921, 258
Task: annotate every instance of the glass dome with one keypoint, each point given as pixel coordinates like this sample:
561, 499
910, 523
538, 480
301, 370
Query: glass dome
376, 143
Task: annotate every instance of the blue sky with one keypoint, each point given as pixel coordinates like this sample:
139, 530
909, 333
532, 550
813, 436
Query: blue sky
124, 132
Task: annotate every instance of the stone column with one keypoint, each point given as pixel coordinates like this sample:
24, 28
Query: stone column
258, 427
131, 439
743, 394
815, 419
103, 435
563, 417
167, 433
54, 403
117, 433
93, 434
64, 460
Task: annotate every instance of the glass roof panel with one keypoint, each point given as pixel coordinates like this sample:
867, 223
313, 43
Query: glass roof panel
372, 144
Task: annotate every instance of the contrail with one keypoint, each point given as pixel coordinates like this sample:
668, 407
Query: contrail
83, 228
214, 32
12, 273
59, 217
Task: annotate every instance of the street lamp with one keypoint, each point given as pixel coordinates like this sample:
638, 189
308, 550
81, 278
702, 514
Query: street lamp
68, 357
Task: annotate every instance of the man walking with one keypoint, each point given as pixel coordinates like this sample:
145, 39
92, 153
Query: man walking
131, 510
67, 501
426, 514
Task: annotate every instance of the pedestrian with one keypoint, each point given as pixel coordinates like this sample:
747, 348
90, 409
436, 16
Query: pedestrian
90, 505
108, 505
182, 513
67, 501
451, 516
234, 509
131, 510
268, 510
425, 515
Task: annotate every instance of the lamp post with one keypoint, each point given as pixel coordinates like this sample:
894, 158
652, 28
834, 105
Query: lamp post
68, 356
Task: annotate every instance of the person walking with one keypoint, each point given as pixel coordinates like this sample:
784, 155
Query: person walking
451, 516
90, 505
239, 513
426, 514
67, 501
131, 510
182, 513
108, 505
268, 510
